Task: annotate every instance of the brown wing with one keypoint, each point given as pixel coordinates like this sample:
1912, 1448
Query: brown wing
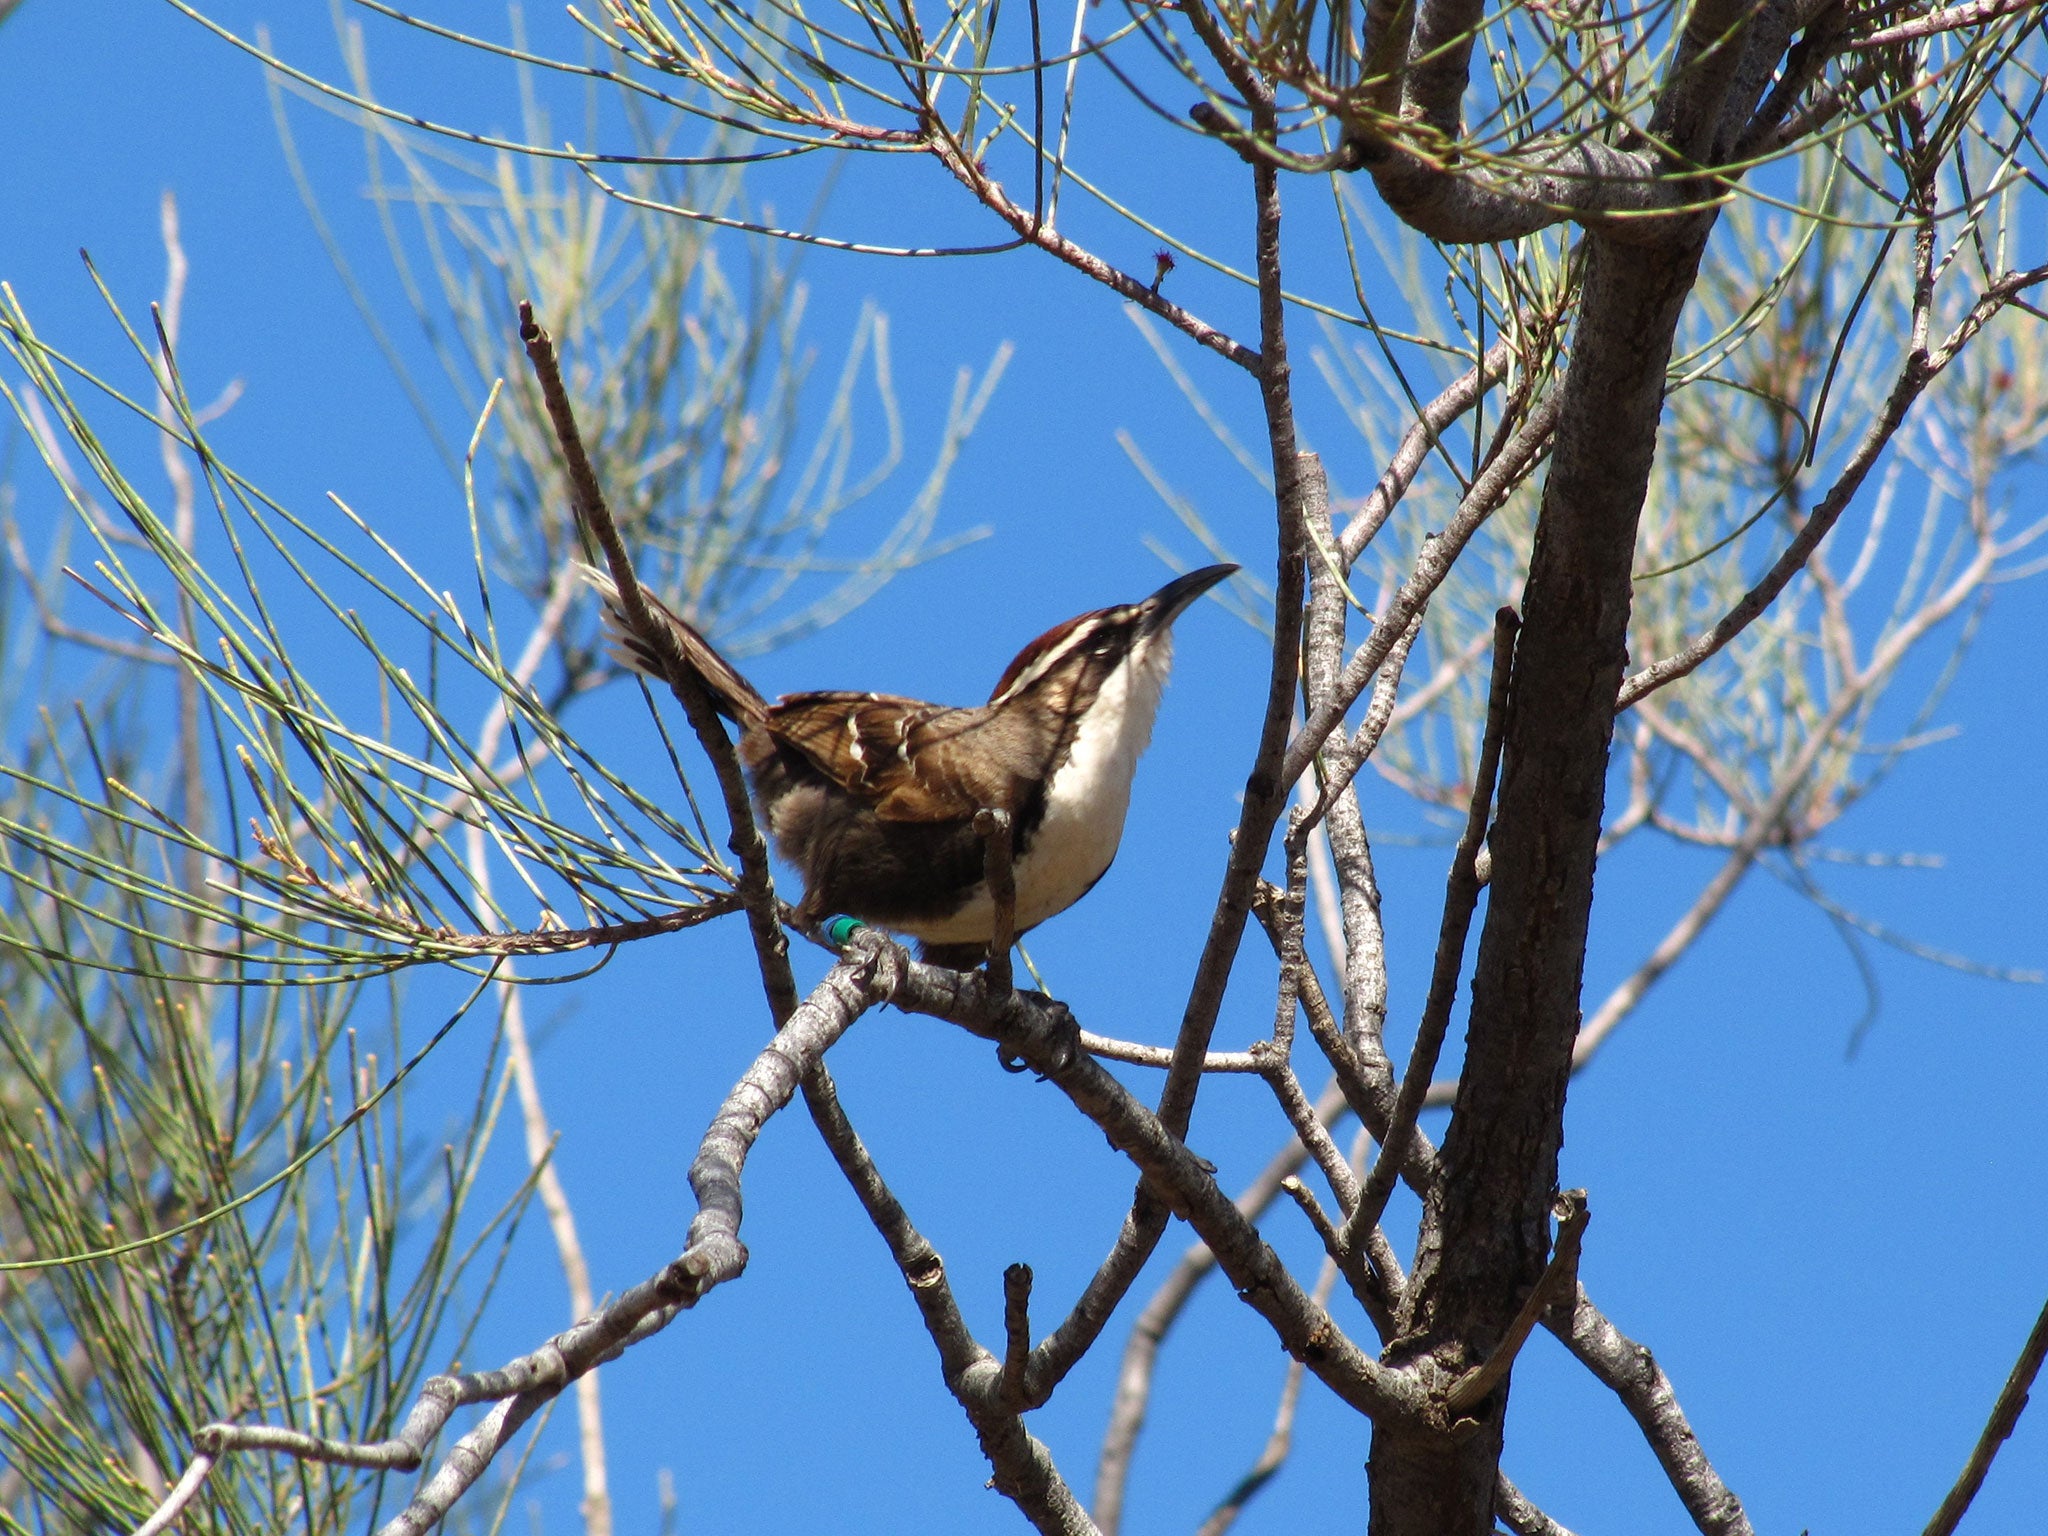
870, 745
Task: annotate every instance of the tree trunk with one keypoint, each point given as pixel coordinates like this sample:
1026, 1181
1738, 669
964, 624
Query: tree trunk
1486, 1234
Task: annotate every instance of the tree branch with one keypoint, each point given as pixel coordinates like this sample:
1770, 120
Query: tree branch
1456, 398
1043, 1035
2005, 1414
712, 1255
1461, 897
1023, 1469
1439, 63
1266, 787
756, 884
1509, 195
1948, 20
1432, 565
1631, 1372
1156, 1319
1561, 1271
1519, 1515
1016, 1333
1920, 369
989, 192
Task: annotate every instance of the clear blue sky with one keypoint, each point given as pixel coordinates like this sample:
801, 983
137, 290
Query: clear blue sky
1835, 1260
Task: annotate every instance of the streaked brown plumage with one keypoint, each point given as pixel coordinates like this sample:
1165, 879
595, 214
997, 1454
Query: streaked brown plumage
872, 797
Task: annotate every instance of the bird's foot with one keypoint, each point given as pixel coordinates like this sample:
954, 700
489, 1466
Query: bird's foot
1055, 1038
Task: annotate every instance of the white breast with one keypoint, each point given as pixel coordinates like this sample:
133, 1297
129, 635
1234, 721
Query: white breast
1084, 804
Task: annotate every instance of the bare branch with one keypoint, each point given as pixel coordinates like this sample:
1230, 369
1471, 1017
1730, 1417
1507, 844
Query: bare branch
1631, 1372
182, 1492
1016, 1333
1703, 67
712, 1255
1023, 1469
1141, 1350
1948, 20
1305, 1201
1460, 898
1438, 555
1043, 1035
756, 883
1915, 374
557, 941
1439, 63
1519, 1515
1146, 296
862, 977
1139, 1054
2005, 1415
1622, 1001
1301, 1118
1458, 397
1560, 1272
1507, 196
1267, 785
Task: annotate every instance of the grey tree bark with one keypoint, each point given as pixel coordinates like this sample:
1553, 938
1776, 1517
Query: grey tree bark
1487, 1236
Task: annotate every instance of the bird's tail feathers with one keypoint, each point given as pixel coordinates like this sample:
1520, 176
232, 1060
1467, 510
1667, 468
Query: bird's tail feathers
734, 697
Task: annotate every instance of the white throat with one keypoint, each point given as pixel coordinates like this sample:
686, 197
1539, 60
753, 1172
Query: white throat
1085, 802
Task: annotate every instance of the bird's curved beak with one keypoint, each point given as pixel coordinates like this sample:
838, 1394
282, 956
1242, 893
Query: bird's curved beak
1159, 610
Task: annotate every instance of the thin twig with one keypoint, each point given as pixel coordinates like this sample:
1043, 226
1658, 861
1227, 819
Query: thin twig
1016, 1332
1308, 1130
756, 883
1968, 15
1140, 1055
1352, 1078
1460, 898
2005, 1414
1513, 1509
1631, 1372
1267, 785
1920, 369
556, 941
1458, 397
1561, 1271
181, 1494
1157, 1317
1439, 553
989, 192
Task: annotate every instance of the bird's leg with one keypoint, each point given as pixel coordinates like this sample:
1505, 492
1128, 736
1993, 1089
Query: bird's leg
994, 828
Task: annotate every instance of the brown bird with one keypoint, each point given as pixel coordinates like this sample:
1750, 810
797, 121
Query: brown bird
873, 797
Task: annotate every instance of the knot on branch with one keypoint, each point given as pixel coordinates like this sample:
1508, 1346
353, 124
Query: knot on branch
712, 1260
926, 1271
1319, 1342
